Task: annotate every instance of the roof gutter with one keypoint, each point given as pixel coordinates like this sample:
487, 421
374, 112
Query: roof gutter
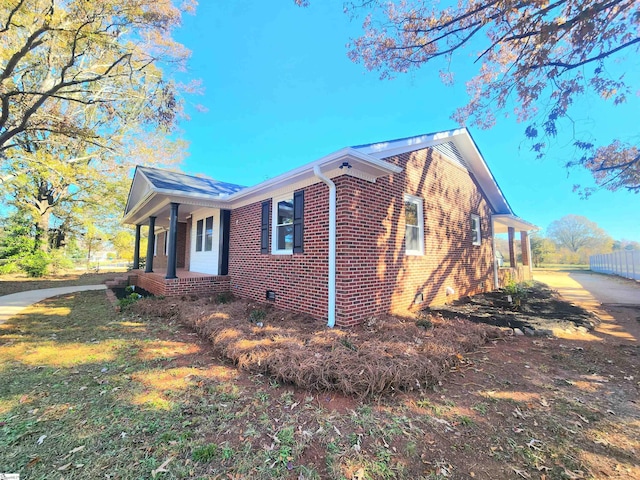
331, 303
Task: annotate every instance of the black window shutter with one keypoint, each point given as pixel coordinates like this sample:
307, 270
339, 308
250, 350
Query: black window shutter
298, 221
264, 231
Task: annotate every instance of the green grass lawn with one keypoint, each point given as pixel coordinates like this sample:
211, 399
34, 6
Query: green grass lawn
88, 393
562, 267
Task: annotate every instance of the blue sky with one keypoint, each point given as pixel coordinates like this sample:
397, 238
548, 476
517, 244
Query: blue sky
280, 92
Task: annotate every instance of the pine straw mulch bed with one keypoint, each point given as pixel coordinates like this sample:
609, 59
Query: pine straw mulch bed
388, 353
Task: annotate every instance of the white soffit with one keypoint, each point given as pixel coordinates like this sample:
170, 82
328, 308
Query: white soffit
502, 223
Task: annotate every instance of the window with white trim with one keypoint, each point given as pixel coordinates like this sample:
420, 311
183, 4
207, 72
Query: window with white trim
282, 238
414, 225
199, 228
208, 234
204, 234
476, 237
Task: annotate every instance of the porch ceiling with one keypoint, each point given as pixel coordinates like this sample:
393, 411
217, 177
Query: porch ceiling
501, 224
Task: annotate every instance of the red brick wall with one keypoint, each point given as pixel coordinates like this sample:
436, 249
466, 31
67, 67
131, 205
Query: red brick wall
160, 260
158, 285
374, 273
299, 280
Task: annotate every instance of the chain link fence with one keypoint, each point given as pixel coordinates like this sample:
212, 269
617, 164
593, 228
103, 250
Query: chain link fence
625, 263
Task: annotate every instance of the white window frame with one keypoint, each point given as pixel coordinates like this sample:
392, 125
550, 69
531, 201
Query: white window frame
420, 203
205, 235
476, 217
274, 224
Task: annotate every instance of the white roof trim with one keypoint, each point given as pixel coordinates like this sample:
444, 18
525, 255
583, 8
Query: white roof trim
403, 145
363, 166
463, 141
345, 154
508, 220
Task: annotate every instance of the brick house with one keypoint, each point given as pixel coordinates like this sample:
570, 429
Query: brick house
366, 230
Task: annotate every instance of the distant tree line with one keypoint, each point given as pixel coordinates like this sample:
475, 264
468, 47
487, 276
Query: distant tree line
571, 239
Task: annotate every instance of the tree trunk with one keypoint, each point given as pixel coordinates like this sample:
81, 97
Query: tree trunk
43, 203
42, 231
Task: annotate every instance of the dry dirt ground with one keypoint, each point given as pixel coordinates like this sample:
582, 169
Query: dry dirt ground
574, 395
561, 407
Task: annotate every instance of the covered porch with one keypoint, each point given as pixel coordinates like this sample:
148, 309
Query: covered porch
187, 222
510, 224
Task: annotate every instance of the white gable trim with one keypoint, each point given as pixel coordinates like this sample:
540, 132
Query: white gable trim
397, 147
466, 147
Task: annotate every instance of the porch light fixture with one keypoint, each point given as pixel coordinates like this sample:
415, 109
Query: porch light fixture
345, 165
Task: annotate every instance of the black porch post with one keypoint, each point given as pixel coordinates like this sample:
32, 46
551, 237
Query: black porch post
173, 243
136, 249
151, 240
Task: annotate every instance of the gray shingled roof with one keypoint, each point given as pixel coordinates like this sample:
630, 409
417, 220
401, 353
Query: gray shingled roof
166, 180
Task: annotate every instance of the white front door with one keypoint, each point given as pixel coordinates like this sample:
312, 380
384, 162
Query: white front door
205, 241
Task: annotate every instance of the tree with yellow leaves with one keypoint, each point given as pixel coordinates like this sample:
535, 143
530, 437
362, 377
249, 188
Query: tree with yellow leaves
83, 94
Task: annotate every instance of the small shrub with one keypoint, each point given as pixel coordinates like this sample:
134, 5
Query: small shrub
59, 261
130, 289
423, 320
224, 297
517, 291
257, 315
425, 323
36, 264
8, 266
128, 301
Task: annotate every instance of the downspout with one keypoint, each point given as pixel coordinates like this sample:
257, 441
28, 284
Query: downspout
495, 260
331, 307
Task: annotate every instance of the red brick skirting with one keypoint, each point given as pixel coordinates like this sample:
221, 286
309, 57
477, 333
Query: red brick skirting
158, 285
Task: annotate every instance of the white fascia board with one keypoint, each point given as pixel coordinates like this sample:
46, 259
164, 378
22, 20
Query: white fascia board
299, 174
196, 196
397, 147
466, 146
509, 220
130, 216
145, 209
468, 149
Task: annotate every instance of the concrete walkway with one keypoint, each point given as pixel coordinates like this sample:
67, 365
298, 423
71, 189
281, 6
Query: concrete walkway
592, 288
12, 305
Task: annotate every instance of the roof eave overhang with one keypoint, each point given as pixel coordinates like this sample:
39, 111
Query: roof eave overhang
502, 222
358, 165
159, 199
467, 147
